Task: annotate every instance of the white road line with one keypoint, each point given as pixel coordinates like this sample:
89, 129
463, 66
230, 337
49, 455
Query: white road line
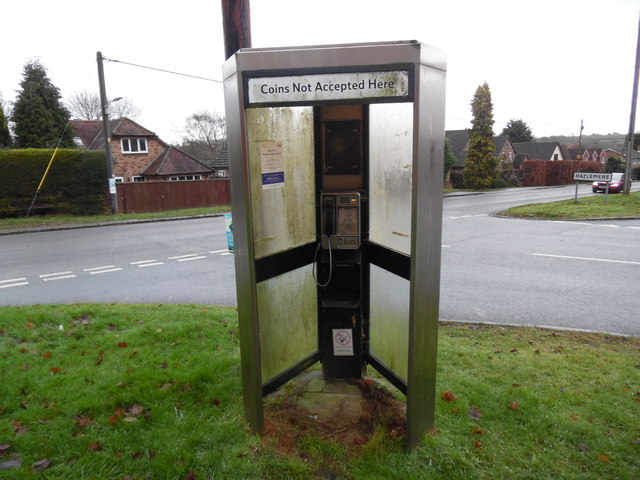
49, 279
97, 272
9, 285
141, 262
183, 256
228, 253
98, 268
57, 274
151, 264
219, 251
608, 225
635, 228
569, 223
13, 280
190, 258
585, 258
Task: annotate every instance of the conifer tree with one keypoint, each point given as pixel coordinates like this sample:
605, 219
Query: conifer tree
5, 136
480, 163
39, 116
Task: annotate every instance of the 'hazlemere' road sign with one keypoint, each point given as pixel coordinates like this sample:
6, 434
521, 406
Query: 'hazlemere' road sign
592, 177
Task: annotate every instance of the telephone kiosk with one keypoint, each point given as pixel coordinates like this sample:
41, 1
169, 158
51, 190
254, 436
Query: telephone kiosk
336, 155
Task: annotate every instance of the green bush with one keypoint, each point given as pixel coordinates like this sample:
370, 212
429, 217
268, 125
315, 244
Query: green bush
75, 184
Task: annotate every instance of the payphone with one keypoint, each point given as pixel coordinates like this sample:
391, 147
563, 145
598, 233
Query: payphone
340, 167
340, 220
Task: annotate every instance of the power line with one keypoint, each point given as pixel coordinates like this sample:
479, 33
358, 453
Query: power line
162, 70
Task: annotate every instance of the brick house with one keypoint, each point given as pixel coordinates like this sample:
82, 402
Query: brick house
459, 141
139, 155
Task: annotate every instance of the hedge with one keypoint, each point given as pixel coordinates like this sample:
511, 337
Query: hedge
557, 172
76, 183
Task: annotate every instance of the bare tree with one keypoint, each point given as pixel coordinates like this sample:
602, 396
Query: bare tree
85, 105
204, 135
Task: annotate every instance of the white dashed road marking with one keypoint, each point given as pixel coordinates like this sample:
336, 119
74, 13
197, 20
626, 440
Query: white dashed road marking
585, 258
13, 282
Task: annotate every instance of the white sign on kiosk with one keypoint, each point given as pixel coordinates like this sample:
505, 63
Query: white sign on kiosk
328, 86
592, 177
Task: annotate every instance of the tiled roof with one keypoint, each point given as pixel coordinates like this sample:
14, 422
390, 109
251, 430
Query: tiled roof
174, 161
222, 159
459, 140
536, 150
91, 132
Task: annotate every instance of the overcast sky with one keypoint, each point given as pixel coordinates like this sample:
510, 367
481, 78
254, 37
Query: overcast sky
550, 63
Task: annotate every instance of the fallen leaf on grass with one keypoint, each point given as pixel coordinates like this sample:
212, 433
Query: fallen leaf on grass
604, 458
130, 419
84, 422
9, 464
41, 465
475, 413
30, 325
583, 446
123, 345
515, 406
95, 447
47, 355
136, 409
4, 449
55, 370
478, 431
191, 476
477, 444
18, 428
448, 396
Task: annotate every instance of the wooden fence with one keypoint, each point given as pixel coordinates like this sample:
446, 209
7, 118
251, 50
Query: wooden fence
143, 197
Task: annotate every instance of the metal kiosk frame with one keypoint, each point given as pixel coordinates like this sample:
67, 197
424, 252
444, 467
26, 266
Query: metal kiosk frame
273, 98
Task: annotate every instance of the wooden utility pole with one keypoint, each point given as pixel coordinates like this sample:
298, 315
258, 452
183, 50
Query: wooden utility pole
236, 25
632, 120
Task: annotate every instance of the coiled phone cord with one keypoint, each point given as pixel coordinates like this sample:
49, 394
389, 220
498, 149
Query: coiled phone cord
315, 259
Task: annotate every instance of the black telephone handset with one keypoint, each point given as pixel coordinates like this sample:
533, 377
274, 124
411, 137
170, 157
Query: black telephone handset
329, 216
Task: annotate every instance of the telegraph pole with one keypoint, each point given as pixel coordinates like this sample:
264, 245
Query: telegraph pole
236, 24
107, 134
632, 120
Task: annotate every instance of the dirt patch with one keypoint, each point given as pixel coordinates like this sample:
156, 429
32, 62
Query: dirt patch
347, 413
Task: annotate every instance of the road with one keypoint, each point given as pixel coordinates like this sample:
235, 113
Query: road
581, 275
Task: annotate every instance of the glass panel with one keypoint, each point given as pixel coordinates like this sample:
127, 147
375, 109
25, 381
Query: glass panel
389, 327
390, 167
288, 313
281, 162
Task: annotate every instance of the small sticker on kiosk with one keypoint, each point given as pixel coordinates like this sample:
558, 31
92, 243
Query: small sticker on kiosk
342, 342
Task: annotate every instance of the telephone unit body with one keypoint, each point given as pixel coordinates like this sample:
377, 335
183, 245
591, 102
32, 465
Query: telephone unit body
340, 220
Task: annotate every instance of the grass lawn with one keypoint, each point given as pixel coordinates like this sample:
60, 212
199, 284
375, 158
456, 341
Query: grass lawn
153, 391
39, 221
586, 207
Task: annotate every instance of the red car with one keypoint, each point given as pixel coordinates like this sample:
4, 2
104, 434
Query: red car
616, 185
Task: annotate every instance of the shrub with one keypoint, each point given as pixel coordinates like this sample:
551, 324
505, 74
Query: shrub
75, 184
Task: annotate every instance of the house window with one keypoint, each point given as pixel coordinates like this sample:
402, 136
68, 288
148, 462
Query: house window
137, 179
182, 178
119, 179
555, 156
134, 145
222, 174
